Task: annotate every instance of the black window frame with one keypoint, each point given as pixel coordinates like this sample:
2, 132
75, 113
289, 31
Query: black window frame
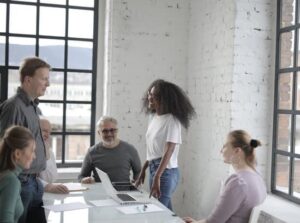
4, 69
293, 112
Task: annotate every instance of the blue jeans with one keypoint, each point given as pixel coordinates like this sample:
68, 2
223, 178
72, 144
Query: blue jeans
168, 182
32, 198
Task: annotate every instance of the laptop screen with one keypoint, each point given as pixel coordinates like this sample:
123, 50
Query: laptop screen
106, 183
110, 190
124, 186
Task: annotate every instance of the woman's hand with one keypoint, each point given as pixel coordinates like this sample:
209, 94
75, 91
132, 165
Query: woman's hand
141, 178
155, 188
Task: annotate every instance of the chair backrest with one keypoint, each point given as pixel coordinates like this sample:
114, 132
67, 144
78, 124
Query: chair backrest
265, 217
255, 214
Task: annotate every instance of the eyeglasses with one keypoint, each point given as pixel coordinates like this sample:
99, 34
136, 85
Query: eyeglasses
106, 131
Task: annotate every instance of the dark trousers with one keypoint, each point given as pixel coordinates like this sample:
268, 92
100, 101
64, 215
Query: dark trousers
32, 197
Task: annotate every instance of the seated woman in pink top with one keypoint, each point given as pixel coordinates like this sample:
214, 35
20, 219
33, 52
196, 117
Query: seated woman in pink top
244, 189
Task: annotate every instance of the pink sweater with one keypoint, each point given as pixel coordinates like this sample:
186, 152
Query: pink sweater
242, 191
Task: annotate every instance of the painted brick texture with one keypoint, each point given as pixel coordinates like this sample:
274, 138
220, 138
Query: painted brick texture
222, 54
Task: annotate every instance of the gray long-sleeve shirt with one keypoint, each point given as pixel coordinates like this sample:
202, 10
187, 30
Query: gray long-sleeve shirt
116, 162
21, 110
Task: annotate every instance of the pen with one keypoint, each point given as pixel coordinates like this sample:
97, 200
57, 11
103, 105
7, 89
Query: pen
145, 207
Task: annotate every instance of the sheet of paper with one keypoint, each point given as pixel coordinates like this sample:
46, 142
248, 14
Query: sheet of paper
138, 209
105, 202
75, 187
67, 207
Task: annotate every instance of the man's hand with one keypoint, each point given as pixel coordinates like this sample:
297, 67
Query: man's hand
56, 188
88, 180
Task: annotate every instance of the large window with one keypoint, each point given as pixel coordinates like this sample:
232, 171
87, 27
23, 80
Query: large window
64, 33
286, 142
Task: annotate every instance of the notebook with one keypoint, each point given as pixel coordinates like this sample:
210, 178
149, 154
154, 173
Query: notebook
121, 198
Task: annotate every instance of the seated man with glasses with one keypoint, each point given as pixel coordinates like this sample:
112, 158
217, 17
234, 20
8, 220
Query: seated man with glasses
112, 155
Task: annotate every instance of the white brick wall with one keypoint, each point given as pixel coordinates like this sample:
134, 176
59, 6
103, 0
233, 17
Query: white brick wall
221, 53
253, 78
232, 64
210, 79
148, 40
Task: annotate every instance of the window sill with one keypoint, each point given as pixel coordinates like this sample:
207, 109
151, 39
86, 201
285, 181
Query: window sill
68, 174
277, 209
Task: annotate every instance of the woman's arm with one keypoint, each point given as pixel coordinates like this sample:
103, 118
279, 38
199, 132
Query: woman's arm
230, 199
141, 178
10, 194
155, 188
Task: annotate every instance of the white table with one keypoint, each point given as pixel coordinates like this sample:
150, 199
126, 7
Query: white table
102, 214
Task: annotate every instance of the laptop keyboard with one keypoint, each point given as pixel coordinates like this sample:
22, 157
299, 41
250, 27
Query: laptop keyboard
125, 197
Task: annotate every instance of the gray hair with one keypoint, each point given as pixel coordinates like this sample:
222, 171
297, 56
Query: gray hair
106, 119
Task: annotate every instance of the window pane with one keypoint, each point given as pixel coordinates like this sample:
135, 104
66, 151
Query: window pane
22, 19
286, 49
287, 13
285, 88
2, 17
53, 52
56, 89
13, 82
87, 3
296, 186
297, 135
76, 147
56, 146
298, 91
78, 117
19, 48
54, 113
284, 132
58, 2
80, 55
81, 23
282, 173
52, 21
2, 50
79, 86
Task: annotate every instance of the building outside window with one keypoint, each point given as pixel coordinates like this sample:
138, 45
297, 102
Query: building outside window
286, 140
63, 33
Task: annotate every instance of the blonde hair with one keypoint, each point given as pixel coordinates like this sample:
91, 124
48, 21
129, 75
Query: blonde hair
242, 139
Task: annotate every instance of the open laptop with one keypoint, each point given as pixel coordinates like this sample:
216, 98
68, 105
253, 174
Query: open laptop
119, 186
122, 198
124, 186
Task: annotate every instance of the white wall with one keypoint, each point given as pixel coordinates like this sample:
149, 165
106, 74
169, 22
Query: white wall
221, 53
210, 79
147, 40
231, 82
254, 73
